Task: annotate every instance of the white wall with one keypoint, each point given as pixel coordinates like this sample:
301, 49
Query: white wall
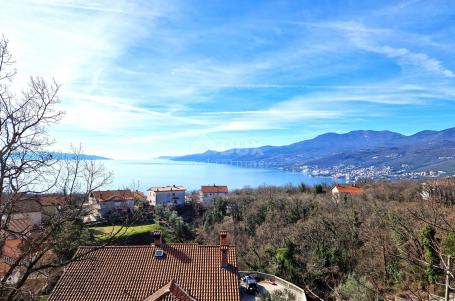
165, 198
208, 197
108, 206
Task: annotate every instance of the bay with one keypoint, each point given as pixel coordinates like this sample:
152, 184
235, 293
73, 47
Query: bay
142, 175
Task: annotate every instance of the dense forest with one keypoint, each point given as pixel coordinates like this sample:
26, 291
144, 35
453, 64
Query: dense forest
388, 241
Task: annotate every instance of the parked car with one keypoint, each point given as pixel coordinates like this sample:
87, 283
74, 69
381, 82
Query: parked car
250, 284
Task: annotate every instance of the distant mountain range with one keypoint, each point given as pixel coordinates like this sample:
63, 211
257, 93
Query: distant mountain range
372, 154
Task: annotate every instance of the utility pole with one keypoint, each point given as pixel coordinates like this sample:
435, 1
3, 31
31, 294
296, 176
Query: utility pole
447, 295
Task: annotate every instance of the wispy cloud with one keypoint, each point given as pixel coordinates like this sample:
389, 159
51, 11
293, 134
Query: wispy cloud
144, 78
369, 39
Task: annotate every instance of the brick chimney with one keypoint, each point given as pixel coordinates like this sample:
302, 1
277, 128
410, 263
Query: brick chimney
224, 247
157, 238
223, 238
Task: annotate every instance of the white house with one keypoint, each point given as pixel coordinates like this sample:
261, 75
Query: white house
208, 193
345, 192
111, 201
166, 195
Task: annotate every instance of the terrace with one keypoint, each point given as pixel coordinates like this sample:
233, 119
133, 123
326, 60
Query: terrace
268, 283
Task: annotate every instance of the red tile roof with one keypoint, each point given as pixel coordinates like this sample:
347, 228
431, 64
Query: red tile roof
51, 199
214, 189
133, 273
9, 253
11, 248
114, 195
20, 225
35, 202
349, 189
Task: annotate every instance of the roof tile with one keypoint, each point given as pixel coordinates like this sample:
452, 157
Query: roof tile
214, 189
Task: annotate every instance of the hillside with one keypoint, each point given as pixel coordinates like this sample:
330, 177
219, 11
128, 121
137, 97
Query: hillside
361, 248
373, 154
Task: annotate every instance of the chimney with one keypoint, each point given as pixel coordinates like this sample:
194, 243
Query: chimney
224, 247
223, 238
157, 238
224, 256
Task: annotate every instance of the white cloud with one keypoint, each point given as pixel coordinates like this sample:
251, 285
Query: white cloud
407, 57
371, 39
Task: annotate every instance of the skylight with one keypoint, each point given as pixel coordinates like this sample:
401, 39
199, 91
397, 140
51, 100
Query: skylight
159, 253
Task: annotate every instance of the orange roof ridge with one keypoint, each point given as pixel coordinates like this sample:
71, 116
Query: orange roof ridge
170, 288
214, 189
348, 188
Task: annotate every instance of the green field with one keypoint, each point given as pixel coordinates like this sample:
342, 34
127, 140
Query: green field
133, 235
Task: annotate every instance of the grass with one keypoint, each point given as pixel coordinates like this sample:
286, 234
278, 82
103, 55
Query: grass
133, 235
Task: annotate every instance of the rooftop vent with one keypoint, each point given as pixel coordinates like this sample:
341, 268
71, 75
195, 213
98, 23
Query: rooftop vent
159, 253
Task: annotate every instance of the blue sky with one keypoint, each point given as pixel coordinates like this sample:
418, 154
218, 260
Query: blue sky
148, 78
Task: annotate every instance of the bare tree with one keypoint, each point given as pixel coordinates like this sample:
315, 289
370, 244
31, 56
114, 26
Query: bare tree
28, 170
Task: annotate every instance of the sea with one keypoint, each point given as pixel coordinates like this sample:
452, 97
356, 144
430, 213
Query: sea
141, 175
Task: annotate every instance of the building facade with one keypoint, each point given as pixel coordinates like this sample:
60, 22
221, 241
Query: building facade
166, 195
208, 193
113, 201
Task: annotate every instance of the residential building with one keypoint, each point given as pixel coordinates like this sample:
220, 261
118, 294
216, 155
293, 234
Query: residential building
15, 256
92, 210
208, 193
166, 195
23, 215
23, 218
159, 271
345, 192
10, 252
52, 203
111, 201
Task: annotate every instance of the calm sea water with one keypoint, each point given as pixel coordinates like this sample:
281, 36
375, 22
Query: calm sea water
160, 172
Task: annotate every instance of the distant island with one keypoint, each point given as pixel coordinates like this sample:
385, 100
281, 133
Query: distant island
70, 156
352, 155
63, 156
